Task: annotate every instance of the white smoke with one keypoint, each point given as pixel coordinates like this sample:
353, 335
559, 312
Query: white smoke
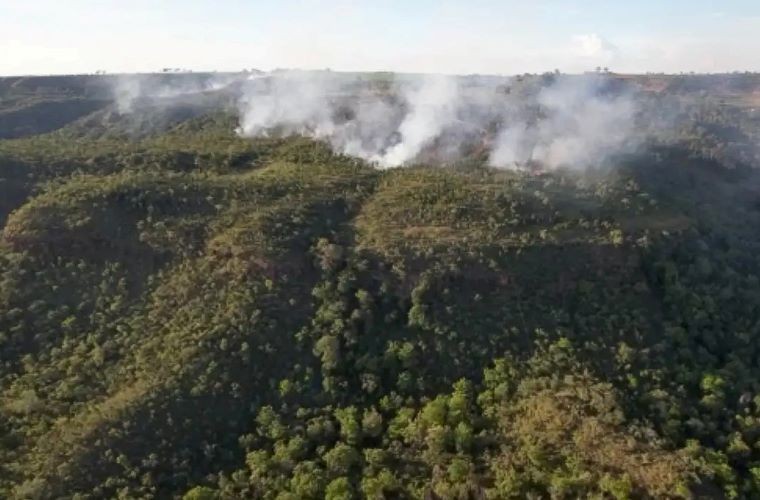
433, 106
291, 103
129, 89
549, 121
355, 119
126, 91
388, 127
573, 124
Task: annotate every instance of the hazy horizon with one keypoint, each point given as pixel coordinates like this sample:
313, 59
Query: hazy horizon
191, 71
44, 37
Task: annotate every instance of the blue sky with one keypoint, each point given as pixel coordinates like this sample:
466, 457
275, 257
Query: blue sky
477, 36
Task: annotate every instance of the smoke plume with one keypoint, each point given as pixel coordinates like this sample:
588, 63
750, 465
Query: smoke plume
549, 121
573, 122
132, 89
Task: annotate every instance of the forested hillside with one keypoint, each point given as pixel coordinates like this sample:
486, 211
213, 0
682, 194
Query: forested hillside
188, 313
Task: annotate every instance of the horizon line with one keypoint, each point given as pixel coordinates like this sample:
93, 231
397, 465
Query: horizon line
182, 71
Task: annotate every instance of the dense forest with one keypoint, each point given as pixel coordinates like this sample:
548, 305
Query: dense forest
188, 313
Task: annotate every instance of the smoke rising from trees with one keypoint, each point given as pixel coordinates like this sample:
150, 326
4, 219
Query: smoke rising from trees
546, 122
561, 121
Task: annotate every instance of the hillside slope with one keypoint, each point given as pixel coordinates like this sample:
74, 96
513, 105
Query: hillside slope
185, 313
